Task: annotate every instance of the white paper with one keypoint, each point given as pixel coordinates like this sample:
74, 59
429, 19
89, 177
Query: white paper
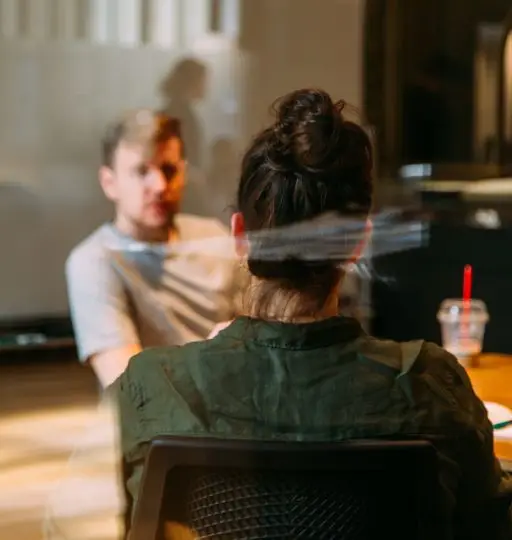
504, 434
497, 414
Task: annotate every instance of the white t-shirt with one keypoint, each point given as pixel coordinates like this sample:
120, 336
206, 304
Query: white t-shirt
124, 292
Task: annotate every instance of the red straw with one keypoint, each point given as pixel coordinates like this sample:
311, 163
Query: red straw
467, 284
466, 300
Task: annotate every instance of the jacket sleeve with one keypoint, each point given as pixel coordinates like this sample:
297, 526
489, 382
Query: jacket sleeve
154, 397
133, 451
483, 491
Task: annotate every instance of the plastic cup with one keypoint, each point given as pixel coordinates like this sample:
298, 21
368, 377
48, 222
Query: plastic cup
463, 327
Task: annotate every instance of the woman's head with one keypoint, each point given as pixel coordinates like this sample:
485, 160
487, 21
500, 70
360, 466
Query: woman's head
310, 162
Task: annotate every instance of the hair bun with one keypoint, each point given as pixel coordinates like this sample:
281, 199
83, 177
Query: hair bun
308, 127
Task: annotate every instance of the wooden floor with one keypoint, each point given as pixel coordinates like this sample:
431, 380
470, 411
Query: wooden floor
57, 453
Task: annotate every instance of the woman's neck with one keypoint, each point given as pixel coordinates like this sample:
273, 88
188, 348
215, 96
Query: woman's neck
289, 307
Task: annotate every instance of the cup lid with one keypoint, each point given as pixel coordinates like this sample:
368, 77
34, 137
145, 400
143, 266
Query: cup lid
453, 308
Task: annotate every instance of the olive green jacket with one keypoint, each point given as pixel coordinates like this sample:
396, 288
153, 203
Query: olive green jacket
321, 381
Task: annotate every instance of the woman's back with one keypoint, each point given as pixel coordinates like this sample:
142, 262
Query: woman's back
319, 381
326, 380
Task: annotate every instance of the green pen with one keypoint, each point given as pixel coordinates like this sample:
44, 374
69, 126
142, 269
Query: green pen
502, 425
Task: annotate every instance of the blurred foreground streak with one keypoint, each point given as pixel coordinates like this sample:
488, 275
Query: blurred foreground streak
329, 237
87, 503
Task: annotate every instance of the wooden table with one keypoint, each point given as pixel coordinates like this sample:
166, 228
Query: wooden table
492, 380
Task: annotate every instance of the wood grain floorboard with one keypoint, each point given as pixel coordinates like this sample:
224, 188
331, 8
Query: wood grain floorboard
45, 409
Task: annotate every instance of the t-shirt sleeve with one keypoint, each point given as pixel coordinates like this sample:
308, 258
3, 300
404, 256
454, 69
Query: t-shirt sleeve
99, 304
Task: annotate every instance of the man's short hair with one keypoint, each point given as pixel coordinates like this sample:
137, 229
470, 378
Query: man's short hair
143, 126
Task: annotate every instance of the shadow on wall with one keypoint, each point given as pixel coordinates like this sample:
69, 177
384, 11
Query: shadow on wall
21, 247
42, 217
183, 87
215, 196
223, 177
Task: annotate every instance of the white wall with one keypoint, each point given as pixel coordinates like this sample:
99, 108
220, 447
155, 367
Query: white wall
59, 90
293, 44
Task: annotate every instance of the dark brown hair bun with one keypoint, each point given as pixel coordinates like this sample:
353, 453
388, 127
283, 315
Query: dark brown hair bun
308, 128
310, 162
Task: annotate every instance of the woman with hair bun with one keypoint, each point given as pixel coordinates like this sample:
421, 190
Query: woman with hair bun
292, 368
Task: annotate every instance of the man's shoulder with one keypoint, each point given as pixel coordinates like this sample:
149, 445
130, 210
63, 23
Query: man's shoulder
91, 250
197, 227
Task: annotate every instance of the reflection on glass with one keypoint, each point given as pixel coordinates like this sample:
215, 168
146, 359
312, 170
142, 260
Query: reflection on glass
508, 88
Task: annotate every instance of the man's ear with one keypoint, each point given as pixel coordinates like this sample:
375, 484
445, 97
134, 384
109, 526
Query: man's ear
108, 182
239, 233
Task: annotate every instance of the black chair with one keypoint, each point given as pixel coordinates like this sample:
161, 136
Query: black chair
226, 489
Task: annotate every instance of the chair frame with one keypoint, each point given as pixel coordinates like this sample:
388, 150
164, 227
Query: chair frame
168, 452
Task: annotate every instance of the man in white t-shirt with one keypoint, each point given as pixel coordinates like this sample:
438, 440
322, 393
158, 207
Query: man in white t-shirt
152, 276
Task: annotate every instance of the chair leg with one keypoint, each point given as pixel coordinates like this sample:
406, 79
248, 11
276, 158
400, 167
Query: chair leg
145, 524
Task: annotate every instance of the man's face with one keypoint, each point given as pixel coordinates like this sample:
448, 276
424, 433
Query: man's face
146, 185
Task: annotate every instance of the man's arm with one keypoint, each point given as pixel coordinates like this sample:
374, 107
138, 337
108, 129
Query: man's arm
104, 328
218, 328
108, 365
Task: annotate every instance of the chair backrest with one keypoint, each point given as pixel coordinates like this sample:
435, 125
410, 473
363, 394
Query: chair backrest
234, 489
